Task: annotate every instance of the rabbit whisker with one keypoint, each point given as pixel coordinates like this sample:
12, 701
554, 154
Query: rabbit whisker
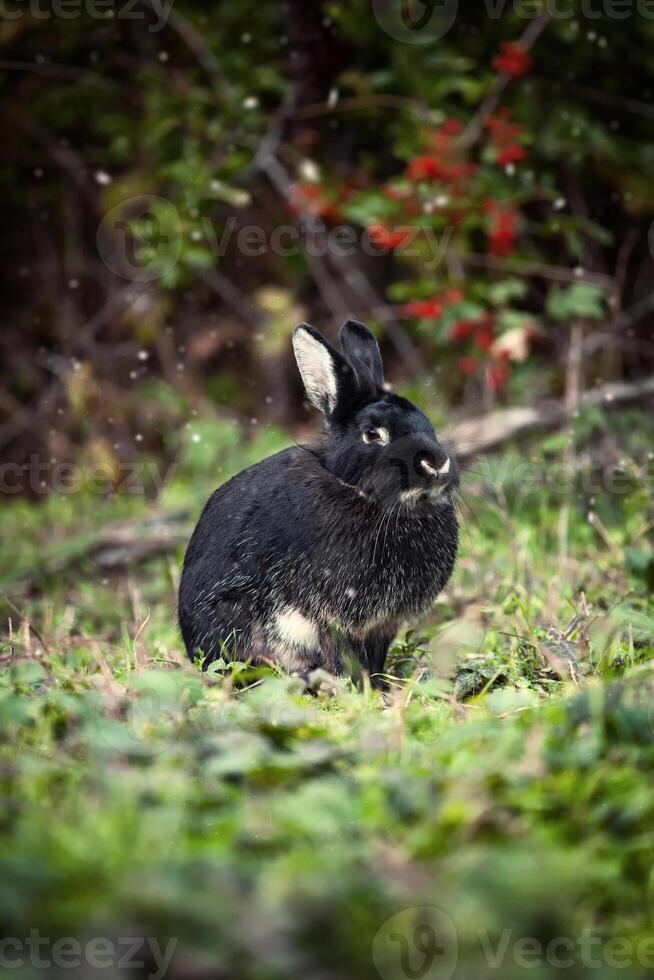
386, 510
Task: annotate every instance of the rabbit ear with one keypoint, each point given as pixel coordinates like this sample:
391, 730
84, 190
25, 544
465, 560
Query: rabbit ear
362, 351
328, 378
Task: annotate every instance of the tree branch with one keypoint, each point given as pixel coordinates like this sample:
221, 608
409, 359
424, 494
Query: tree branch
476, 125
491, 431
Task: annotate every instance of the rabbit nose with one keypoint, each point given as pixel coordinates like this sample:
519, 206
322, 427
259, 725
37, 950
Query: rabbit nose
433, 463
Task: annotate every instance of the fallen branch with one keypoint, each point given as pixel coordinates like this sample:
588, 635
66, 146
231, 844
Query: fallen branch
491, 431
133, 542
120, 546
112, 549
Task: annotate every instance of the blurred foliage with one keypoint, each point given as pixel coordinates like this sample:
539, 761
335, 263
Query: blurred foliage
163, 170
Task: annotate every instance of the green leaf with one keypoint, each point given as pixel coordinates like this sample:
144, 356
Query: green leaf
27, 672
579, 300
510, 319
506, 290
369, 207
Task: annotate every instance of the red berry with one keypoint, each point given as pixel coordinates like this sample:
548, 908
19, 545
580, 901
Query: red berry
513, 59
467, 365
424, 168
386, 237
484, 339
498, 375
511, 154
461, 330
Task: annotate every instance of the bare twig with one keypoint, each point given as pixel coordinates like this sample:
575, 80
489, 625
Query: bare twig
476, 125
28, 625
571, 404
573, 380
539, 270
80, 76
27, 417
352, 277
633, 106
244, 308
362, 103
635, 313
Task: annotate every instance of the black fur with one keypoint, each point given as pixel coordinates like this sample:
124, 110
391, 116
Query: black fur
348, 534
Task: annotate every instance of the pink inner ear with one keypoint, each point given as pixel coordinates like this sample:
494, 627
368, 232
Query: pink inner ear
317, 369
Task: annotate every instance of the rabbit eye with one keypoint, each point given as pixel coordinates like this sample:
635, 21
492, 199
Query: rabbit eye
375, 435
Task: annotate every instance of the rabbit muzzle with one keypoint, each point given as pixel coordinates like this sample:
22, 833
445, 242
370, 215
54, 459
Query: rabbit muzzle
412, 468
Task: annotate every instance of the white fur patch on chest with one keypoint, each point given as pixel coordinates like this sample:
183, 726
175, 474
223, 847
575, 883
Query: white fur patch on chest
295, 630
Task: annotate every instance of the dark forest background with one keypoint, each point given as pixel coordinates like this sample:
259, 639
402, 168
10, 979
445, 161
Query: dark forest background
493, 166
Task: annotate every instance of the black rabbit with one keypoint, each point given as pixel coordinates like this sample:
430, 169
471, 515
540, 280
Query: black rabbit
357, 533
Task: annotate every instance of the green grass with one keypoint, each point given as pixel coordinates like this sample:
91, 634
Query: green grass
506, 780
